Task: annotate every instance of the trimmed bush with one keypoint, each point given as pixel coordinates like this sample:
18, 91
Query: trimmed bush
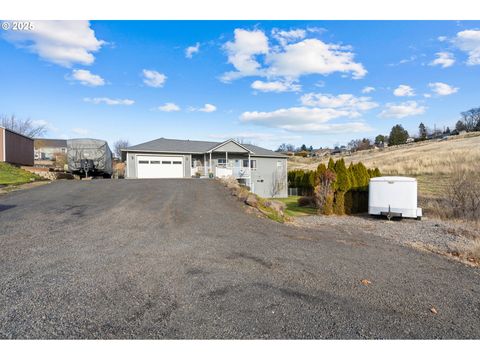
335, 188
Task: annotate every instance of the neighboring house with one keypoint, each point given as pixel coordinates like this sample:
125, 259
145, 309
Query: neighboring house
15, 148
264, 171
47, 149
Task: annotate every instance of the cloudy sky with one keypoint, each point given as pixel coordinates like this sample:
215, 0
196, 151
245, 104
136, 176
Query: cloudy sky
320, 83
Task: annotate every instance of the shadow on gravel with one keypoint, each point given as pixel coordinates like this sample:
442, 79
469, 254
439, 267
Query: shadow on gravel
6, 207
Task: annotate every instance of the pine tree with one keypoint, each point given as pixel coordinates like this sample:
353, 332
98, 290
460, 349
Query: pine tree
331, 164
343, 180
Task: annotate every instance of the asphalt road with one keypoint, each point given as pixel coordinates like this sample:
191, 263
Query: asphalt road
182, 259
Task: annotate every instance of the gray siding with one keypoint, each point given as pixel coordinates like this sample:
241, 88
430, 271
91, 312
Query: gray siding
231, 147
266, 174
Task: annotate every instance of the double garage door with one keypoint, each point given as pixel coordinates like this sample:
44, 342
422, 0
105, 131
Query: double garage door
156, 167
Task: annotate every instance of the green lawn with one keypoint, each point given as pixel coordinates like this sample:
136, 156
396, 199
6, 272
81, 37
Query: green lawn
12, 175
293, 209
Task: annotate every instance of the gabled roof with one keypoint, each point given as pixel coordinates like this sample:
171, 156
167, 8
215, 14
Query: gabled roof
194, 147
228, 141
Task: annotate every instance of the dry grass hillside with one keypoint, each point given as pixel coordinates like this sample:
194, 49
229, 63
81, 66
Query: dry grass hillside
431, 162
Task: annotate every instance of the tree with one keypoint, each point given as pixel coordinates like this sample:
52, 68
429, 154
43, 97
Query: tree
447, 131
118, 146
471, 119
342, 184
379, 139
460, 126
398, 135
324, 191
278, 183
303, 147
422, 131
25, 127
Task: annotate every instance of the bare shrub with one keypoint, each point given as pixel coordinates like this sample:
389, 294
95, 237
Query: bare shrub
324, 192
463, 193
60, 160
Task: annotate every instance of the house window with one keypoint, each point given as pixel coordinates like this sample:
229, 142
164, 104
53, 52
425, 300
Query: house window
166, 162
222, 162
253, 164
177, 162
154, 162
245, 163
143, 162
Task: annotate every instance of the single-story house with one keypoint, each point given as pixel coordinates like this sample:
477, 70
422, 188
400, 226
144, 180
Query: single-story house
48, 149
264, 171
15, 148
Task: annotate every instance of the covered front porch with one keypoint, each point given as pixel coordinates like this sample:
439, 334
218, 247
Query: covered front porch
226, 159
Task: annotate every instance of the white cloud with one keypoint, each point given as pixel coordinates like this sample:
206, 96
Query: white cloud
153, 78
313, 56
289, 60
345, 101
46, 124
207, 108
368, 89
303, 119
442, 38
169, 107
442, 89
444, 59
428, 96
109, 101
404, 90
410, 59
242, 52
469, 42
189, 51
286, 36
60, 42
80, 131
402, 110
85, 77
275, 86
256, 136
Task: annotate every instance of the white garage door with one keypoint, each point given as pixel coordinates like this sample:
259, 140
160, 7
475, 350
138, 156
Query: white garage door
155, 167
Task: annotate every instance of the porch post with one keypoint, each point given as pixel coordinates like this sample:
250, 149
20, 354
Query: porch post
205, 164
211, 170
250, 172
226, 159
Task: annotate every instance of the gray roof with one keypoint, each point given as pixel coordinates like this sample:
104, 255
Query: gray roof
192, 147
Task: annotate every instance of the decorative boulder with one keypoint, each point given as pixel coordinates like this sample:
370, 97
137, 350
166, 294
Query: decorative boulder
251, 200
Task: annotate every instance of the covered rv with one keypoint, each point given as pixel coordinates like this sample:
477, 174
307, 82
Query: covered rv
393, 196
89, 157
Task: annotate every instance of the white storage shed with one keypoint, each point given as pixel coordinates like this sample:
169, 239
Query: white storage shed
393, 196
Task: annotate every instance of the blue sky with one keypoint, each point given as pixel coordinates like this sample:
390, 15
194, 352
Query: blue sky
315, 82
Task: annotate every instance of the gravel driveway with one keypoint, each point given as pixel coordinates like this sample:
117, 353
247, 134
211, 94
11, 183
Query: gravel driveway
182, 259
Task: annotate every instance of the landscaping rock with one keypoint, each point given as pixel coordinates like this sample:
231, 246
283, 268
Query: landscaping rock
252, 200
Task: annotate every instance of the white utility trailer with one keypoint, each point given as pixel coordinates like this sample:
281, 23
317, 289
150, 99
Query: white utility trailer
393, 196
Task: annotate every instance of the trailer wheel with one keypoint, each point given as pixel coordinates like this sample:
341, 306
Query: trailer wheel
418, 218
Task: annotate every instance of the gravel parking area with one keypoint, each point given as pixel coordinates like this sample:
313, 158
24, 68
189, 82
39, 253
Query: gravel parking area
458, 240
169, 259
